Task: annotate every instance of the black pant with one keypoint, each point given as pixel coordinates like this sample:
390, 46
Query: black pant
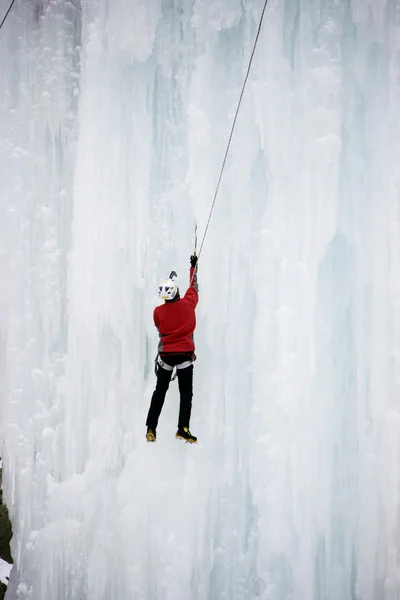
185, 381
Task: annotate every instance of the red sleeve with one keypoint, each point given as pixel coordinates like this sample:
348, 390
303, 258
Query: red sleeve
192, 295
156, 319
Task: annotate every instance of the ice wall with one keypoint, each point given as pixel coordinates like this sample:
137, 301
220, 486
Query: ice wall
114, 116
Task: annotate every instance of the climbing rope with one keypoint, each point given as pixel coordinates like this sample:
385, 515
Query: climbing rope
7, 13
234, 124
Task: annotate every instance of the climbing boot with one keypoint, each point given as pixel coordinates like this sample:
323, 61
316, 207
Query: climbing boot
151, 435
183, 433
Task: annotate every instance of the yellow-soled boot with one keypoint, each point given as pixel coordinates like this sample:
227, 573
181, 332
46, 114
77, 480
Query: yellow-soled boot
151, 435
183, 433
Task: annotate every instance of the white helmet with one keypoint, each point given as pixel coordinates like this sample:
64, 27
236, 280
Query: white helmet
168, 289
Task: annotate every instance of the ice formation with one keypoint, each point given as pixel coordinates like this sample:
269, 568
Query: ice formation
114, 118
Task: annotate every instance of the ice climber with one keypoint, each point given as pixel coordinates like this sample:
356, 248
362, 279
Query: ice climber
176, 322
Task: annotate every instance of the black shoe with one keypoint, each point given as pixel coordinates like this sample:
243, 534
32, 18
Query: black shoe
183, 433
151, 435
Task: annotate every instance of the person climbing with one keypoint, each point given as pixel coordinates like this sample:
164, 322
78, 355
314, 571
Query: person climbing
176, 322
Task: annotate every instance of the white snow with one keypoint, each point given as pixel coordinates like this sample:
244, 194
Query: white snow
114, 119
5, 570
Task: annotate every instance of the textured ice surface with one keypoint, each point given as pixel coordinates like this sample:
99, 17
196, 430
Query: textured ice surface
114, 116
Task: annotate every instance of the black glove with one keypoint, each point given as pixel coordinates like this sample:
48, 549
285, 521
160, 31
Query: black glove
193, 260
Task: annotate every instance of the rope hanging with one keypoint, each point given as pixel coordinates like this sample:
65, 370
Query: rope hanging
234, 120
234, 123
7, 13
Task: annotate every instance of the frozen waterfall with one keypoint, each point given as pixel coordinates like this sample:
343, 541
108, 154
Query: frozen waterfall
114, 118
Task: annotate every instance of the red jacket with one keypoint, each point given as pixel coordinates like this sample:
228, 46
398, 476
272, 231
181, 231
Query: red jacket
176, 320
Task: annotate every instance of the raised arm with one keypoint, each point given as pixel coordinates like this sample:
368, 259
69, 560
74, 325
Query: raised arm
192, 295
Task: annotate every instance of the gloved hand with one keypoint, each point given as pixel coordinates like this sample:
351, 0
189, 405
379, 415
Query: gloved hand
193, 260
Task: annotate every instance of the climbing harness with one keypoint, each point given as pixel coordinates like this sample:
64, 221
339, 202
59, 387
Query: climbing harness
233, 125
7, 13
160, 363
